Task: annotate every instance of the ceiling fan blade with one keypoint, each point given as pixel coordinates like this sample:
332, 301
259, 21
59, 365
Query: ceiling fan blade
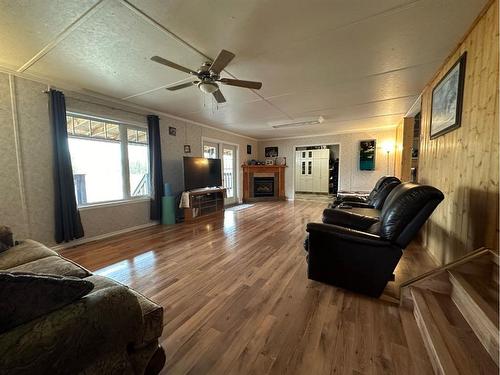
236, 82
221, 61
161, 60
182, 86
219, 97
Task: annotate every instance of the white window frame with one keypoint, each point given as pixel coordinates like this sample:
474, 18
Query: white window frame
123, 126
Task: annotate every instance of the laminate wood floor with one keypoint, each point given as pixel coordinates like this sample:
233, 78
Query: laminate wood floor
237, 299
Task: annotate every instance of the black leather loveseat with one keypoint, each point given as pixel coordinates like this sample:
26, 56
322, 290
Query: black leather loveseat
359, 252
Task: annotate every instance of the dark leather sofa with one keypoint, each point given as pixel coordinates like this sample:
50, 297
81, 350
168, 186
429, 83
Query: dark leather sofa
360, 252
350, 198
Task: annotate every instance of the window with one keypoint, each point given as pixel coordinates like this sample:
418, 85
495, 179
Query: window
210, 150
110, 160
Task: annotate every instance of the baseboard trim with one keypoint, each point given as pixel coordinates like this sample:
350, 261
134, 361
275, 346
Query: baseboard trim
84, 240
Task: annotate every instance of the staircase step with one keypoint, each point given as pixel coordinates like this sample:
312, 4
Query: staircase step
451, 344
474, 299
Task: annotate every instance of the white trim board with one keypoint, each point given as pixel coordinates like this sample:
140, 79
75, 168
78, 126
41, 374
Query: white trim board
84, 240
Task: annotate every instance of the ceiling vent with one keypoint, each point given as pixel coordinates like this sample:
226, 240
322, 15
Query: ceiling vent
297, 123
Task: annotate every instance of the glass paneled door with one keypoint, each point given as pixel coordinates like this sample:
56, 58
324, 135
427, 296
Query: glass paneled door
229, 172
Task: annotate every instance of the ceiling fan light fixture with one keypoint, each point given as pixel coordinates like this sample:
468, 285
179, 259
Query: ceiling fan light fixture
208, 87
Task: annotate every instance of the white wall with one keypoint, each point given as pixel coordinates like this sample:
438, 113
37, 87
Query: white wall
26, 171
350, 176
192, 134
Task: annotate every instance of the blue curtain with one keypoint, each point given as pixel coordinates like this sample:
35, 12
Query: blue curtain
67, 217
155, 167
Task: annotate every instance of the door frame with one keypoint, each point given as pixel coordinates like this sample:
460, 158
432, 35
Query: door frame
220, 142
312, 145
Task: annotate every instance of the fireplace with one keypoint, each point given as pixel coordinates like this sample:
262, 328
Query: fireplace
263, 183
263, 187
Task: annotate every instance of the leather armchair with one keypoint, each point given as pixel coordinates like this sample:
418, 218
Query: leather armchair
378, 199
370, 199
360, 253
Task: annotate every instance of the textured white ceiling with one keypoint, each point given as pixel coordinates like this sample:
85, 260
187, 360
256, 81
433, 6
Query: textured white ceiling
358, 63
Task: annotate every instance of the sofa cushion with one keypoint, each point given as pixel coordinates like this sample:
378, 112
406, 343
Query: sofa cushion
24, 252
6, 238
151, 312
24, 296
52, 265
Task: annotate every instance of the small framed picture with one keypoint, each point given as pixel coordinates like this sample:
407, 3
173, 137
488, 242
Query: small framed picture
187, 149
447, 97
249, 149
269, 161
271, 152
172, 131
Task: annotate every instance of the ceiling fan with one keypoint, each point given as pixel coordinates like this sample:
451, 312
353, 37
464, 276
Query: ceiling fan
208, 75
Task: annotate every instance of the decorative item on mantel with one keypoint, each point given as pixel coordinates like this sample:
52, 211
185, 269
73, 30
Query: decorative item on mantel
255, 162
280, 160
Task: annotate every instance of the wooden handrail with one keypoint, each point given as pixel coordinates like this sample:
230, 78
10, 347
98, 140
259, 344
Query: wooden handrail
461, 260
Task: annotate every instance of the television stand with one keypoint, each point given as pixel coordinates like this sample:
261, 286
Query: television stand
204, 203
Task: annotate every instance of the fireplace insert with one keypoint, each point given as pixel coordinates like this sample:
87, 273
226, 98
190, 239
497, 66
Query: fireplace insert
263, 186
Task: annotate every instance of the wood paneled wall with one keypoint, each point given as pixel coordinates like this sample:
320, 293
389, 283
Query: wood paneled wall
464, 163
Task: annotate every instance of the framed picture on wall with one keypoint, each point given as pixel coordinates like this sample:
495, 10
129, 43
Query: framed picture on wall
367, 155
447, 97
271, 152
249, 149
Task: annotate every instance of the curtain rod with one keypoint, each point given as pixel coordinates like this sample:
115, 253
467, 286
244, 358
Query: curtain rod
103, 105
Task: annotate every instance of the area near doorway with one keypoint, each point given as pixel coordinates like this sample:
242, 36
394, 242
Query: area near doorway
228, 153
316, 171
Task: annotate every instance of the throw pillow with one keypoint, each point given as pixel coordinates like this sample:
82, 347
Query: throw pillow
25, 296
6, 238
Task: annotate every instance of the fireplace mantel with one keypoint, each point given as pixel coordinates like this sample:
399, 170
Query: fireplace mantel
279, 180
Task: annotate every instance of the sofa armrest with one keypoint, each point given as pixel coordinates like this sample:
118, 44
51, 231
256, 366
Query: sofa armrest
352, 197
332, 232
101, 325
347, 219
355, 204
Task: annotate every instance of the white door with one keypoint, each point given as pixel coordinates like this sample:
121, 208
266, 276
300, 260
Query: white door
229, 180
312, 171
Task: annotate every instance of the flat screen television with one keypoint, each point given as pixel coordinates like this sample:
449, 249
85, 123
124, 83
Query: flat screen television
201, 173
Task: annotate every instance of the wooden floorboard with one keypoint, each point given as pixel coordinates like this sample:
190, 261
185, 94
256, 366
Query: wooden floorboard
237, 299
